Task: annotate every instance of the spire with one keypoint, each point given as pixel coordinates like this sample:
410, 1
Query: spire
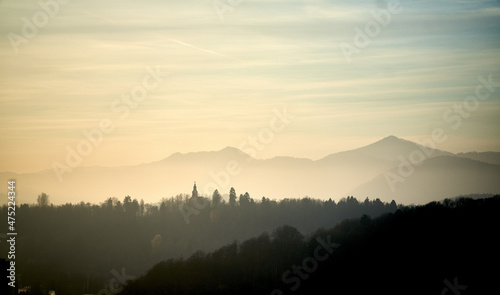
195, 191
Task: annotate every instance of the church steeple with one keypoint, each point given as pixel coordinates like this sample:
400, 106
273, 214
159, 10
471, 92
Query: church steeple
195, 191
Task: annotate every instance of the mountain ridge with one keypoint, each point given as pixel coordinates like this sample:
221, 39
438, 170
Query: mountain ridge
469, 177
357, 172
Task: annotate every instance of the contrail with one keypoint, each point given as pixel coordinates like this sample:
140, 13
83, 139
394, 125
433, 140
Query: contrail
173, 40
202, 49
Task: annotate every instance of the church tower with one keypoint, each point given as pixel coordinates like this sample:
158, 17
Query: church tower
195, 192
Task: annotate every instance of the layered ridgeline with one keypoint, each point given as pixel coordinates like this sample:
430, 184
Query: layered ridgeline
439, 248
391, 168
78, 249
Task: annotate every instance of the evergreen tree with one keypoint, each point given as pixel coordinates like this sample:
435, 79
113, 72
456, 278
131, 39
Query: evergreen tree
216, 198
232, 197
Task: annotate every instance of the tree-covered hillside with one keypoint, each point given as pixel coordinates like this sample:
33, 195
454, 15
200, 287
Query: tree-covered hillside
77, 248
439, 248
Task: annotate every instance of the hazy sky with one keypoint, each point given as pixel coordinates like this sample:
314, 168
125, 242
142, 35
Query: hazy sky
225, 73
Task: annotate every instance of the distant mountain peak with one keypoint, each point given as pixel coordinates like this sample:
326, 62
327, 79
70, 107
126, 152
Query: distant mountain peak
236, 152
391, 138
231, 149
391, 147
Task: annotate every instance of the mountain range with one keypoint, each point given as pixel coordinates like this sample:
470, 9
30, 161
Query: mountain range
390, 169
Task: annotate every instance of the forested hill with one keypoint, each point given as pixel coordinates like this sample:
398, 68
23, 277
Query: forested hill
74, 248
439, 248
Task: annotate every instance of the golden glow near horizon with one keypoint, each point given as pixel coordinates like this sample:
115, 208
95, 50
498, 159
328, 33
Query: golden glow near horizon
159, 77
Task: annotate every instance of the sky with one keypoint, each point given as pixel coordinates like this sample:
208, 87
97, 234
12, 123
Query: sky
130, 82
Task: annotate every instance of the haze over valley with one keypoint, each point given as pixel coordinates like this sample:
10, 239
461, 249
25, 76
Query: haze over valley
390, 169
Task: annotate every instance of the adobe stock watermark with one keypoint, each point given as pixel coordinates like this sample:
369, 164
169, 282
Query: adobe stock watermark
221, 7
455, 288
454, 115
298, 273
95, 136
116, 283
30, 28
372, 29
252, 146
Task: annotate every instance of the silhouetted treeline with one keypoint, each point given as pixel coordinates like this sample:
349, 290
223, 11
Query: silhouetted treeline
450, 247
73, 248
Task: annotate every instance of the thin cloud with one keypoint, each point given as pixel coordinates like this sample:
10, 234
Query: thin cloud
101, 17
199, 48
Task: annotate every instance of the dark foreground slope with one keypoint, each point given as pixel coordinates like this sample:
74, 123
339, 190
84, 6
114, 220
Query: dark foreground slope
439, 248
77, 249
